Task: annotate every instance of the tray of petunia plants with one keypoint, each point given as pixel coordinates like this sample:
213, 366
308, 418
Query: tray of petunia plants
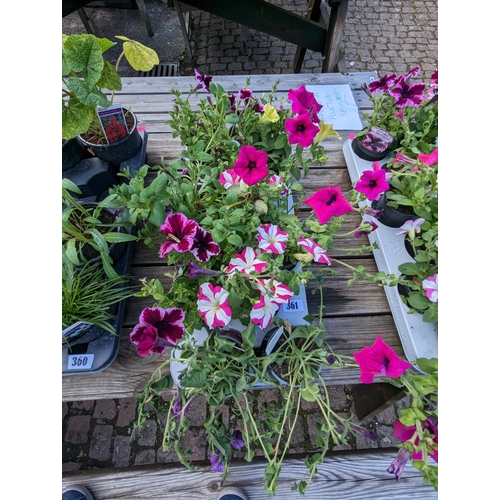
399, 191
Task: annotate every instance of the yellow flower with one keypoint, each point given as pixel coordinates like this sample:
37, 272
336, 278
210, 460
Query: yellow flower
270, 114
325, 130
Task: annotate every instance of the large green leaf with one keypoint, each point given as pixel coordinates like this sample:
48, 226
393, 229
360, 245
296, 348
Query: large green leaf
87, 94
83, 54
76, 118
110, 78
140, 57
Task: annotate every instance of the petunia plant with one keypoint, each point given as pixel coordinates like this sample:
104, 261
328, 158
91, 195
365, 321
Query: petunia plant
226, 217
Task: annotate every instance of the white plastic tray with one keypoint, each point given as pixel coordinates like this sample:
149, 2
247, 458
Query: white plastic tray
418, 338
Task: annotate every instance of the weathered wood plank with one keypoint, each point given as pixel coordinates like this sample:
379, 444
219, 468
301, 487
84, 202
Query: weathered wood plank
346, 476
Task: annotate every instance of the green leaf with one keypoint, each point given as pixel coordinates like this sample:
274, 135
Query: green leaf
165, 382
408, 269
232, 118
140, 57
418, 301
118, 237
194, 378
235, 240
281, 140
83, 54
241, 384
71, 252
430, 316
86, 93
157, 214
248, 335
110, 79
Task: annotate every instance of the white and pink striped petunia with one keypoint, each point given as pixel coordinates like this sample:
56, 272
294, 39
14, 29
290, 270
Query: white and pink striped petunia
272, 239
246, 262
316, 250
431, 288
229, 178
213, 305
263, 312
278, 292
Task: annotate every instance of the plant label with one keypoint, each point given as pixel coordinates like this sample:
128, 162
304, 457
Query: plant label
382, 134
113, 123
80, 361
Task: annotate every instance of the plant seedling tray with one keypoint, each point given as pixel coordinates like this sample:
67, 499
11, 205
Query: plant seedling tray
419, 339
97, 355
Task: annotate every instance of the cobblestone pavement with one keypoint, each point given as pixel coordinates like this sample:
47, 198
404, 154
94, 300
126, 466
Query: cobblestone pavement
380, 35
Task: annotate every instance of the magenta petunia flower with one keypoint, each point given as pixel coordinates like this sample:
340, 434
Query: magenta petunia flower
158, 329
304, 101
213, 305
362, 232
203, 80
246, 262
203, 245
251, 165
379, 359
263, 312
144, 336
430, 286
315, 249
382, 84
372, 183
405, 433
245, 94
430, 159
229, 178
328, 202
179, 231
407, 95
271, 239
301, 130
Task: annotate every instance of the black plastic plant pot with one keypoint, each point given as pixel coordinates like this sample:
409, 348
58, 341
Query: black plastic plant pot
391, 216
120, 151
366, 154
73, 153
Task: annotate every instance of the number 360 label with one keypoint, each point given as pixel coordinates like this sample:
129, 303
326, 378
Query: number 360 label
294, 306
80, 361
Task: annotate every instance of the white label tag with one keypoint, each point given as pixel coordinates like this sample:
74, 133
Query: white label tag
294, 305
80, 361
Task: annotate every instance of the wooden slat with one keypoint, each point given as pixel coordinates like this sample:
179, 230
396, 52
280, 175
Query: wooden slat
345, 476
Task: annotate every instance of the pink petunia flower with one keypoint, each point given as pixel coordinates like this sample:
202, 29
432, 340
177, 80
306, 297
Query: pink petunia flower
304, 101
411, 227
373, 183
278, 292
315, 249
430, 286
407, 95
382, 84
301, 130
379, 359
213, 305
245, 94
328, 202
204, 246
279, 182
158, 329
246, 262
179, 231
263, 312
430, 159
271, 239
406, 160
251, 165
229, 178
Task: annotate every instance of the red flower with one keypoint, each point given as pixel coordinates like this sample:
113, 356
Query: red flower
251, 165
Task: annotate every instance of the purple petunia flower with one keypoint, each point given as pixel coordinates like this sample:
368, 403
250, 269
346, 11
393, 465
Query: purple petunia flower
245, 94
204, 246
407, 95
382, 84
399, 463
203, 80
237, 441
196, 271
217, 462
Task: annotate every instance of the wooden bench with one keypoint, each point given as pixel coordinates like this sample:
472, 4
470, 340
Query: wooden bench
344, 476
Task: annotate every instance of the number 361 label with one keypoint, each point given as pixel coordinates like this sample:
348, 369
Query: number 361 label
294, 306
80, 361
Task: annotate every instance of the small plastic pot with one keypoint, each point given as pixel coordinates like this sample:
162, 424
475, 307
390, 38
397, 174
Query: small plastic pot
391, 216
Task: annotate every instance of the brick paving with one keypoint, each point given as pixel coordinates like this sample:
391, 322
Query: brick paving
387, 36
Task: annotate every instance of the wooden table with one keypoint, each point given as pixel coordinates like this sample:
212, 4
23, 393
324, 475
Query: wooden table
354, 315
